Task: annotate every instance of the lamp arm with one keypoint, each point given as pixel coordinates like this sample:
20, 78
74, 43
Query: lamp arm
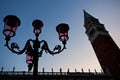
56, 50
15, 48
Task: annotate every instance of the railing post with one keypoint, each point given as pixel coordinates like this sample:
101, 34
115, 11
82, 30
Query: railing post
82, 70
102, 71
68, 70
89, 70
52, 71
43, 70
75, 70
23, 72
95, 71
13, 70
2, 69
60, 71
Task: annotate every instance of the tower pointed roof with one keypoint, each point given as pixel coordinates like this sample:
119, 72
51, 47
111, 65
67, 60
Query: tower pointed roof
88, 18
87, 15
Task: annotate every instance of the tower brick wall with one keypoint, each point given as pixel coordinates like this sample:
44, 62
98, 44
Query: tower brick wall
106, 50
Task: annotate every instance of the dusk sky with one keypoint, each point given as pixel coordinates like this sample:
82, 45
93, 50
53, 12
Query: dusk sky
79, 53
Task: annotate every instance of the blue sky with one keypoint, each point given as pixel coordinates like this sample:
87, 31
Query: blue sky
79, 53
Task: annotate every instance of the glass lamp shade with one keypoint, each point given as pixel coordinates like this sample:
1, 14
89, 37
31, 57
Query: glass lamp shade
11, 22
29, 59
37, 24
62, 30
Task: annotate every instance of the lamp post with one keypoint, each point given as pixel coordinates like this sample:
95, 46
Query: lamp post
33, 48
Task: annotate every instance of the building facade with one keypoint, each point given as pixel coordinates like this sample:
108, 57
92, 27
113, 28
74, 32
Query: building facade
22, 75
106, 50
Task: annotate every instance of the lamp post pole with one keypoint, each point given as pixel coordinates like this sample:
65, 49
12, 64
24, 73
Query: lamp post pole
35, 50
35, 58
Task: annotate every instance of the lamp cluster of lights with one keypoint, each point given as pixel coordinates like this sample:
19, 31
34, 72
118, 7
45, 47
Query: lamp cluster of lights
11, 23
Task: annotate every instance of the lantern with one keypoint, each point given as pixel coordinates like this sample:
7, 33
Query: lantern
29, 55
29, 61
37, 24
11, 22
62, 30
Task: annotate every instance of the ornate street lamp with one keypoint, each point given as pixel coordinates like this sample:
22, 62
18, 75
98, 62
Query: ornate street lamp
37, 24
62, 30
35, 50
10, 26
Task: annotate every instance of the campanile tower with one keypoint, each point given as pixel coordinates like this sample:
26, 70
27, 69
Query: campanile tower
106, 50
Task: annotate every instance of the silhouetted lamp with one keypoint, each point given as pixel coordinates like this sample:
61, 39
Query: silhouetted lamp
29, 61
62, 30
33, 48
11, 22
37, 24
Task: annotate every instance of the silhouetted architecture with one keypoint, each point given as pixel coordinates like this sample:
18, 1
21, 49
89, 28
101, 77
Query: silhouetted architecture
24, 75
105, 48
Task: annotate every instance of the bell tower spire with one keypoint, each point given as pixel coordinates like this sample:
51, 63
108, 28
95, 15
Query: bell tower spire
105, 48
93, 27
87, 18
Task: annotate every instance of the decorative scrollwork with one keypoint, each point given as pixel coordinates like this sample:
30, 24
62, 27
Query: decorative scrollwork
57, 47
44, 47
56, 50
14, 46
